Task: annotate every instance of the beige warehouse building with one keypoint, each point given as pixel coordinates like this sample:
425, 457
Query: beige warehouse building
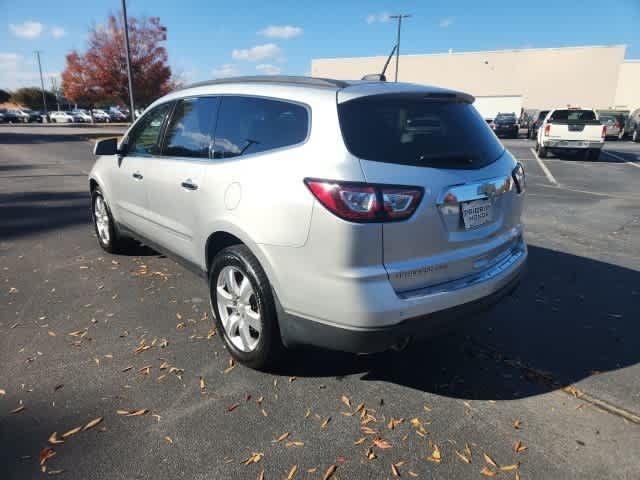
597, 77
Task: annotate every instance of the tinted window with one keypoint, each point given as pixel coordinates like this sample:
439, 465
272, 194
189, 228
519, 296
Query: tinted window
413, 131
190, 131
144, 138
250, 125
573, 116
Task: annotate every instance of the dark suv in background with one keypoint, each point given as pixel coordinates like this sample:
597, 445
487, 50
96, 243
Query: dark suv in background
506, 125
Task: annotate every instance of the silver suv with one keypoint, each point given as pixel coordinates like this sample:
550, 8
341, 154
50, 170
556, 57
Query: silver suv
352, 215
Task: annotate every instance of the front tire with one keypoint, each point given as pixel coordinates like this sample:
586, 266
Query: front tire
108, 237
593, 155
244, 308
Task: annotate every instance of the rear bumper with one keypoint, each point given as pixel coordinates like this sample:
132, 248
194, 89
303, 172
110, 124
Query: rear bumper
572, 144
460, 300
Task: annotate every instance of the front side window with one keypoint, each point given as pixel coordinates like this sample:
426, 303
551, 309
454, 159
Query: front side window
143, 140
190, 131
249, 125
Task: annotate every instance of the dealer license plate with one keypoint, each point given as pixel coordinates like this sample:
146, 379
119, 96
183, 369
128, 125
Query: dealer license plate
476, 212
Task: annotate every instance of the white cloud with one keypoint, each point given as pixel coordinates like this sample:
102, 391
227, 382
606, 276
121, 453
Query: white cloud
284, 31
268, 69
259, 52
378, 17
27, 29
446, 22
18, 71
226, 70
57, 32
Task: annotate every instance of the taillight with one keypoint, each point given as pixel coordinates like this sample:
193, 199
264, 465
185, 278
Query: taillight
604, 131
364, 202
547, 130
617, 125
519, 177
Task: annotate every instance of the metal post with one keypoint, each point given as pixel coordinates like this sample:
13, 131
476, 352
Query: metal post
399, 18
44, 98
126, 43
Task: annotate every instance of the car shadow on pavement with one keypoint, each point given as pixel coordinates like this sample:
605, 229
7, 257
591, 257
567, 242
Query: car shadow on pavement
571, 317
579, 157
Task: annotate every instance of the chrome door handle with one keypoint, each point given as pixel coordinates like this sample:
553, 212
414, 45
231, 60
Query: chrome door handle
137, 176
189, 185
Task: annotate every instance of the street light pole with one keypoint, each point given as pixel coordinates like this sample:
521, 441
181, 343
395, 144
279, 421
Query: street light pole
126, 43
399, 18
44, 98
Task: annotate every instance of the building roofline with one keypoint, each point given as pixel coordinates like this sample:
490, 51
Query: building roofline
506, 50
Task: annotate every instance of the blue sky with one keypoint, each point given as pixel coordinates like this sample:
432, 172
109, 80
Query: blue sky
209, 38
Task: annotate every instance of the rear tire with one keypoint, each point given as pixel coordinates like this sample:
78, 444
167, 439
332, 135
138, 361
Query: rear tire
542, 152
108, 237
593, 155
249, 322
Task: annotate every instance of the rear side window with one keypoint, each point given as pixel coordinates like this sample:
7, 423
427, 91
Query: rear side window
249, 125
190, 131
573, 116
143, 140
410, 130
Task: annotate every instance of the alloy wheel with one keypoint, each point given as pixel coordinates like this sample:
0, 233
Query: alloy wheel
238, 308
101, 217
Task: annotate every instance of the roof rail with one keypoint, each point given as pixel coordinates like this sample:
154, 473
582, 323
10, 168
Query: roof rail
290, 79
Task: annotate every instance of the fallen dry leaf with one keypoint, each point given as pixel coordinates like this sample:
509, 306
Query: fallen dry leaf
45, 454
203, 386
517, 423
330, 471
255, 457
371, 455
360, 441
344, 399
324, 424
71, 432
487, 472
54, 440
126, 369
261, 475
292, 473
146, 370
142, 348
435, 456
282, 437
509, 468
92, 423
394, 471
519, 447
463, 457
231, 408
2, 392
382, 444
21, 408
168, 439
490, 460
394, 422
132, 413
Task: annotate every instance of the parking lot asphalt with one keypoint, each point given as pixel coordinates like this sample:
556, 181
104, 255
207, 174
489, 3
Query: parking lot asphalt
547, 384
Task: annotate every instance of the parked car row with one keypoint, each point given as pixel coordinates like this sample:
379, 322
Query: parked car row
16, 115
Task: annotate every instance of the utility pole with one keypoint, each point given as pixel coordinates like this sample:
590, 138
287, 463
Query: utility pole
399, 17
126, 43
44, 98
54, 88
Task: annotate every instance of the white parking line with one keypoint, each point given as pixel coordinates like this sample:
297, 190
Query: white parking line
544, 168
620, 158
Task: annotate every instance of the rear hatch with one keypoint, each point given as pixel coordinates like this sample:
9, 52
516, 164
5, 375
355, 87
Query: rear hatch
574, 125
465, 222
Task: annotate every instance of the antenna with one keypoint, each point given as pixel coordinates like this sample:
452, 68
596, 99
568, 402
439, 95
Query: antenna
386, 64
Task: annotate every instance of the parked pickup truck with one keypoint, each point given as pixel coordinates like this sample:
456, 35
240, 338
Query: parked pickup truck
571, 130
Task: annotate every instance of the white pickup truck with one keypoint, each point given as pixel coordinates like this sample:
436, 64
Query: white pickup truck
571, 130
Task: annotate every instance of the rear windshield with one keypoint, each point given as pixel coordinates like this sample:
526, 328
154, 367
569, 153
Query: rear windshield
410, 130
573, 116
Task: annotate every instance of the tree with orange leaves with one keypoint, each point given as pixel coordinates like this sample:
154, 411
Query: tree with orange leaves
101, 72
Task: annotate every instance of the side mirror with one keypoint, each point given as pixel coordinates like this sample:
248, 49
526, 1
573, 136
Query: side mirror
107, 146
